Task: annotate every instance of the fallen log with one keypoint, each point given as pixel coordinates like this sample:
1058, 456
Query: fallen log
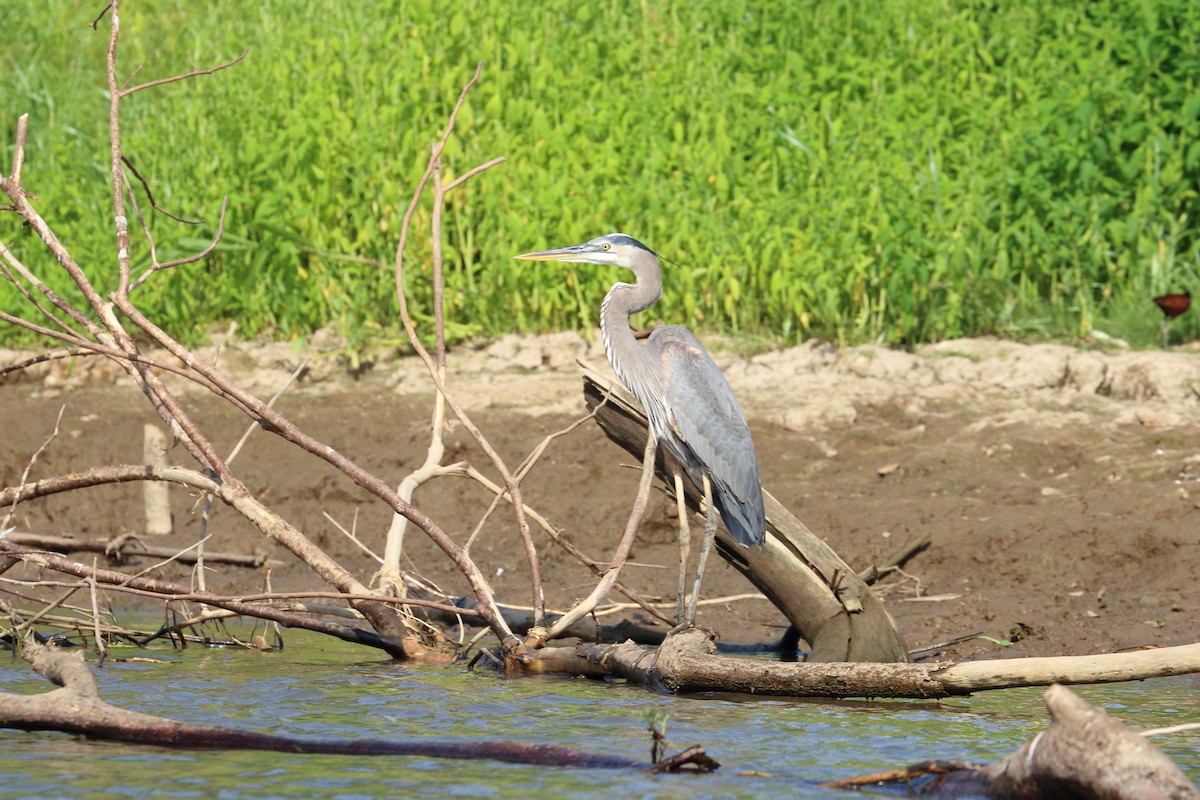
76, 708
824, 599
1084, 753
688, 662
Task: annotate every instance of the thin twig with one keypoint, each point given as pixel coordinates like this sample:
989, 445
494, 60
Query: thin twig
430, 364
616, 608
1187, 726
12, 509
18, 159
255, 597
177, 262
198, 570
296, 373
137, 209
100, 648
471, 173
150, 195
28, 623
522, 471
585, 606
100, 16
169, 560
55, 299
33, 300
352, 535
116, 355
176, 78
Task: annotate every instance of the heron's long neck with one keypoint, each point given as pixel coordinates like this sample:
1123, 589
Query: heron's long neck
626, 355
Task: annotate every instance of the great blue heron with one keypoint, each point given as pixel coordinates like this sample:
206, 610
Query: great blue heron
692, 409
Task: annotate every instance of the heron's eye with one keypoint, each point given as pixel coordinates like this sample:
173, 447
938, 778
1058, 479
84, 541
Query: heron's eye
606, 247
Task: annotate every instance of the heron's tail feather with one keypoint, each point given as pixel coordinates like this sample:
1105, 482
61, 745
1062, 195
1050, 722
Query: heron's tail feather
745, 519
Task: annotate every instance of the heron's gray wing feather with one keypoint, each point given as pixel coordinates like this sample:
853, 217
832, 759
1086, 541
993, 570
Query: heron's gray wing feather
704, 414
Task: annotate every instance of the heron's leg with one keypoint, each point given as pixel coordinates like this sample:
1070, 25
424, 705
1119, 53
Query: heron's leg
685, 545
710, 533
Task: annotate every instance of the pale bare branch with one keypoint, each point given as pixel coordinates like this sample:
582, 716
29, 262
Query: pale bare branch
585, 606
183, 77
16, 496
150, 195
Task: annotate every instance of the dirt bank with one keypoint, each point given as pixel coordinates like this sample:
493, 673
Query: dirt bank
1061, 487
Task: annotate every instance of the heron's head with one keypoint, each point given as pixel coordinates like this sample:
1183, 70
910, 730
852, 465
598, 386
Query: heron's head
615, 249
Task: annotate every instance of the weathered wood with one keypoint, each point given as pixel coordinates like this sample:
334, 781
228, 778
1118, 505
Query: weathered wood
589, 630
1087, 753
156, 495
834, 610
122, 548
688, 662
392, 646
1084, 753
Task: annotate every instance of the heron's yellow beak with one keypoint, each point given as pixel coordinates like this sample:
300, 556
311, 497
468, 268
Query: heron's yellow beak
576, 252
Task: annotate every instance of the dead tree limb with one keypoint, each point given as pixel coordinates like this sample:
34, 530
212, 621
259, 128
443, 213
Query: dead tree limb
108, 330
437, 372
688, 662
1084, 753
76, 708
837, 614
392, 646
126, 546
609, 579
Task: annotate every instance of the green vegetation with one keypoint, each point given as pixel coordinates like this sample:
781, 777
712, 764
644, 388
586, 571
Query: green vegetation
893, 171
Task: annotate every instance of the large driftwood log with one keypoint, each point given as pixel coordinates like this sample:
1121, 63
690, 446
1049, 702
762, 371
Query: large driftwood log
1084, 753
77, 708
688, 662
832, 608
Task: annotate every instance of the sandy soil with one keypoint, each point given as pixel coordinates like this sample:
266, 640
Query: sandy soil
1060, 486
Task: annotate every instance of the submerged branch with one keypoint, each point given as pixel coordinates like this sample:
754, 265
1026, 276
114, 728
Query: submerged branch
76, 708
1083, 753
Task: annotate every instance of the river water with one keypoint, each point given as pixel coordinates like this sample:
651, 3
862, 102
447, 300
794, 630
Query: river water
320, 688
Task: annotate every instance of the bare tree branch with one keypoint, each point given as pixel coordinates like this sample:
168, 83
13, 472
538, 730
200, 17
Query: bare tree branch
114, 341
437, 374
392, 646
18, 159
471, 173
585, 606
42, 358
100, 16
150, 195
200, 255
176, 78
12, 262
16, 497
258, 597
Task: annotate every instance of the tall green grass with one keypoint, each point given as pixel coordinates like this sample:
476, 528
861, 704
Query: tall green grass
892, 171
